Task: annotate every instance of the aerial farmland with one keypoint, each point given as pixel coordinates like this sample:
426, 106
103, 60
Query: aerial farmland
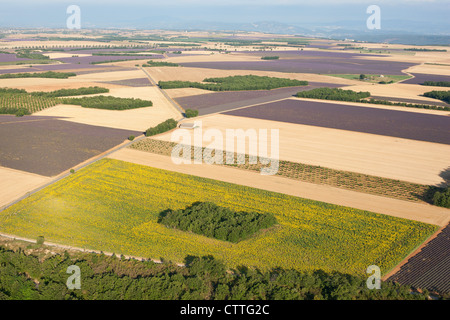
360, 138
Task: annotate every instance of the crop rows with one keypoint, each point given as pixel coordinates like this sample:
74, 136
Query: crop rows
309, 173
113, 206
26, 101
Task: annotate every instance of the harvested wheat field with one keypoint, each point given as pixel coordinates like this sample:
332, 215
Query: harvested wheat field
389, 157
15, 183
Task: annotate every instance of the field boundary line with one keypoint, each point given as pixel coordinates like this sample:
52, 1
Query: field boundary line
177, 107
66, 173
86, 250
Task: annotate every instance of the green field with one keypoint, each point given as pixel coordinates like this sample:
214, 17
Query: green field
371, 78
113, 206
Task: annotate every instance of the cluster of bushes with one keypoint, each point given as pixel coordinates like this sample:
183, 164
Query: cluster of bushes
270, 58
26, 277
152, 63
108, 102
235, 83
190, 113
210, 220
334, 94
165, 126
48, 74
71, 92
441, 95
437, 83
442, 198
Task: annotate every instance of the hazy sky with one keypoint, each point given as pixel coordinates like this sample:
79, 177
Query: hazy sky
52, 13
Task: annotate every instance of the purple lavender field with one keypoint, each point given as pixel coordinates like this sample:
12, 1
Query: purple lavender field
5, 57
400, 124
90, 59
420, 78
224, 101
312, 62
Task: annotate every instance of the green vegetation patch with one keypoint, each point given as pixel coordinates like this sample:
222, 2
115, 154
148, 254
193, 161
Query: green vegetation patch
70, 92
108, 102
372, 78
441, 95
270, 58
211, 220
165, 126
152, 63
48, 74
204, 278
235, 83
442, 198
334, 94
437, 83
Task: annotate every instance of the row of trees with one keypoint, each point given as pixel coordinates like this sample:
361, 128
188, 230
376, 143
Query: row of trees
25, 276
48, 74
437, 83
165, 126
235, 83
334, 94
70, 92
152, 63
211, 220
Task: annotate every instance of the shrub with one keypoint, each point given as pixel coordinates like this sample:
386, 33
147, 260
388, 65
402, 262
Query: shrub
442, 199
162, 127
270, 58
131, 138
40, 240
190, 113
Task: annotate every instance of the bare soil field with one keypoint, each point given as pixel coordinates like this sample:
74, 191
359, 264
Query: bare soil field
393, 207
14, 184
433, 128
377, 155
48, 146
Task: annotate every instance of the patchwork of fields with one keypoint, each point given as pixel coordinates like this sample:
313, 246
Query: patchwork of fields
355, 181
113, 206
